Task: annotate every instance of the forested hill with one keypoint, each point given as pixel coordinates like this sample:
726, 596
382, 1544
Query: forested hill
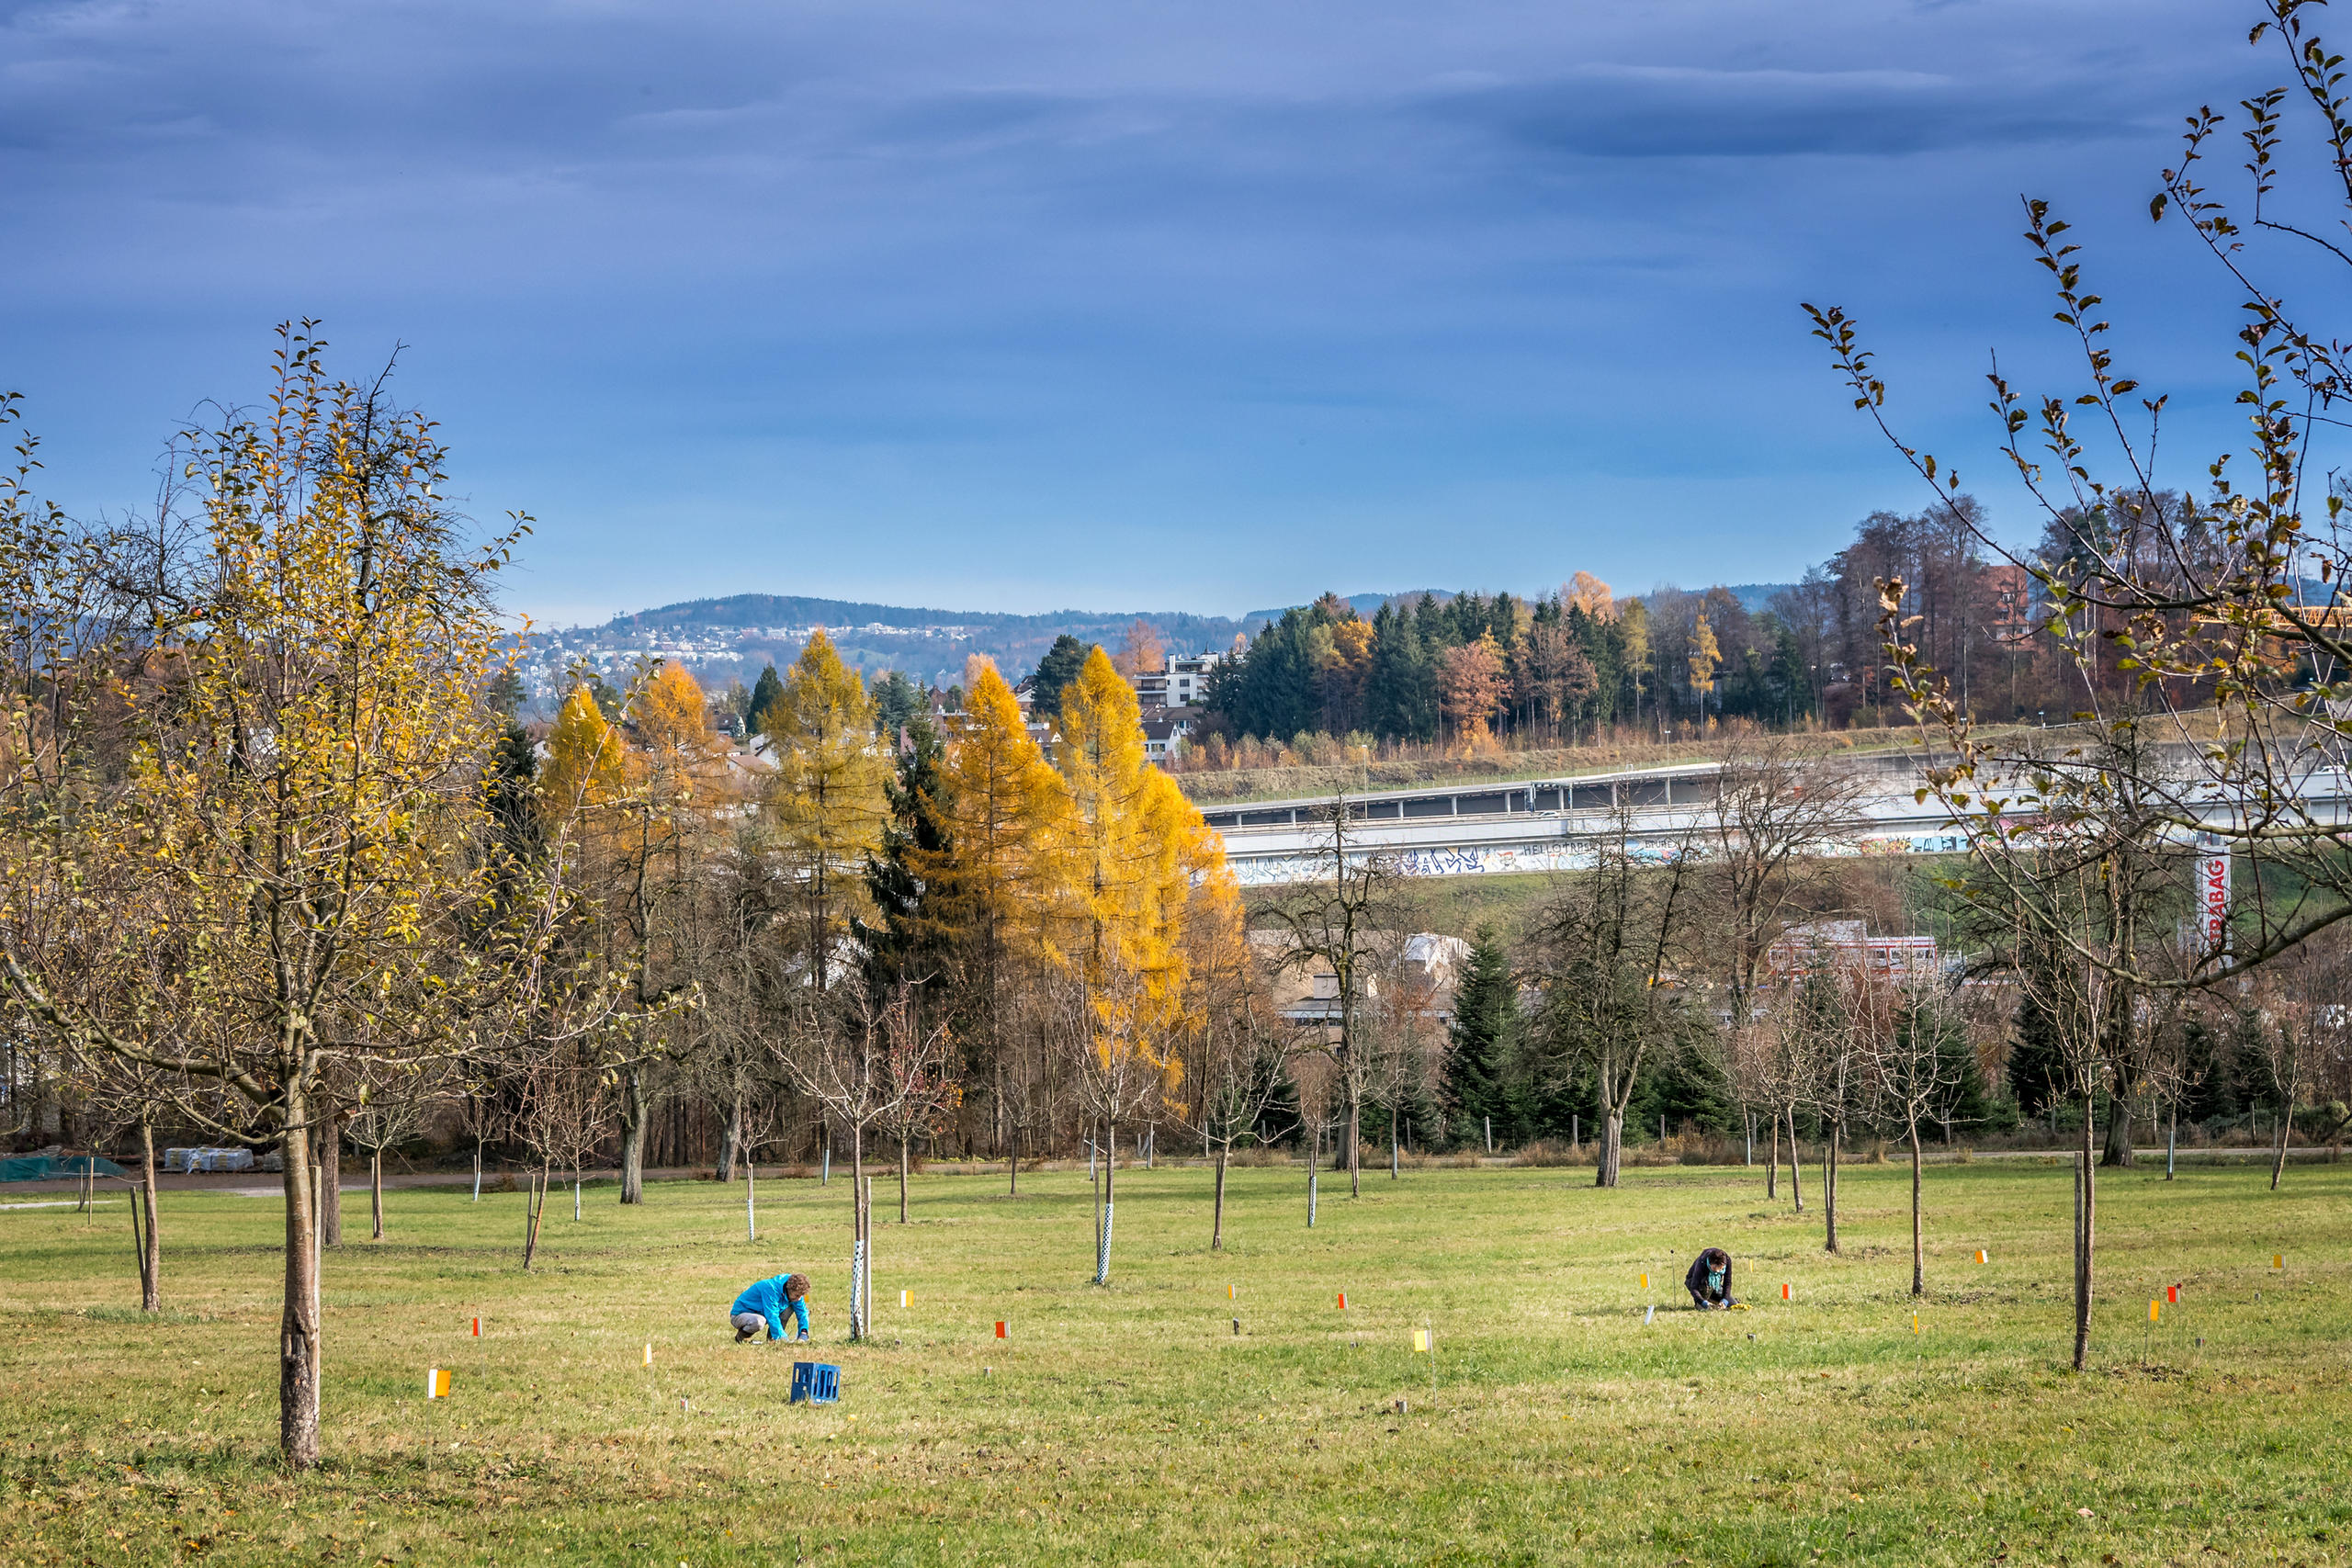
1178, 629
734, 638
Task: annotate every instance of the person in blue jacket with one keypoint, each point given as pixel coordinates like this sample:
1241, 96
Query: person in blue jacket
762, 1306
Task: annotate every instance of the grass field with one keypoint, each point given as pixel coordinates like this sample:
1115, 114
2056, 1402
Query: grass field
1131, 1425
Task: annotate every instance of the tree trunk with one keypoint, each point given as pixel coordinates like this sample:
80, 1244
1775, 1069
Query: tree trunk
477, 1168
635, 1109
297, 1324
1355, 1127
1796, 1171
1010, 1136
751, 1198
2086, 1229
859, 1261
1613, 1148
1110, 1181
2118, 1152
1918, 1253
903, 1137
1216, 1220
143, 1205
376, 1192
534, 1206
1314, 1171
330, 1195
2286, 1125
730, 1139
2172, 1141
1772, 1162
1830, 1191
1392, 1144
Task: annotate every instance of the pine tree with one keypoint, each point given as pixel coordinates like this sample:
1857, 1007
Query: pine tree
1055, 671
763, 695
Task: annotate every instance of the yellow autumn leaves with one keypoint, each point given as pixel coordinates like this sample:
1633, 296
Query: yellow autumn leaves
1088, 868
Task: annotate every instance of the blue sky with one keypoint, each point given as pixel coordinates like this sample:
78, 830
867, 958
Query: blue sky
1207, 305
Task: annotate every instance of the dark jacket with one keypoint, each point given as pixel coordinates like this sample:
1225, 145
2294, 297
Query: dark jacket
1697, 1283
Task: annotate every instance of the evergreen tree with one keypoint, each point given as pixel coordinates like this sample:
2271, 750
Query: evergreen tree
2037, 1059
904, 945
1478, 1069
897, 703
763, 695
1685, 1085
1057, 670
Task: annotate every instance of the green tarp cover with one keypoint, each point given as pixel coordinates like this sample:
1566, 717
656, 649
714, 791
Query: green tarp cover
49, 1168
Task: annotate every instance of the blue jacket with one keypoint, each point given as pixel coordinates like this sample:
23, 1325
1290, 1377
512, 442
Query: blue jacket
766, 1298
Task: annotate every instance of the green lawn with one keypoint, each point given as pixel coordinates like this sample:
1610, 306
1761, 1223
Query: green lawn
1130, 1425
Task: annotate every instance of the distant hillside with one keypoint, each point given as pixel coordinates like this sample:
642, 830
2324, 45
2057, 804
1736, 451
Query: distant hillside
734, 638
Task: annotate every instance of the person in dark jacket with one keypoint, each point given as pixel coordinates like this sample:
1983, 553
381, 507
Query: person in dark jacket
763, 1306
1708, 1281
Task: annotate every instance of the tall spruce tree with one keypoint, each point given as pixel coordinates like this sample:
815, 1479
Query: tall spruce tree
1057, 670
769, 687
1478, 1077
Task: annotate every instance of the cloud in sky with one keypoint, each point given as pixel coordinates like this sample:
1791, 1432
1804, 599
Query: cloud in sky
1211, 304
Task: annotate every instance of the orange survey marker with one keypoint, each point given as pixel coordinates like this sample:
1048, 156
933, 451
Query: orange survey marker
1001, 1334
437, 1383
1645, 1281
2153, 1307
1982, 1257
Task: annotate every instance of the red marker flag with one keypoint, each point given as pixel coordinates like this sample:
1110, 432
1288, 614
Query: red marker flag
476, 1328
1000, 1330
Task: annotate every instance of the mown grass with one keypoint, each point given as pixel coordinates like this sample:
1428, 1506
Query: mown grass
1131, 1425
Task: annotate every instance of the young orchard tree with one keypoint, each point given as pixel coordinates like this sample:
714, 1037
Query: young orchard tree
861, 1062
1911, 1072
388, 1108
2077, 996
1332, 928
2199, 606
1401, 1036
1861, 1030
1238, 1049
311, 798
1605, 948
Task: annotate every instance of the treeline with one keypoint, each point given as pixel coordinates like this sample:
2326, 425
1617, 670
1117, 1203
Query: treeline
1479, 669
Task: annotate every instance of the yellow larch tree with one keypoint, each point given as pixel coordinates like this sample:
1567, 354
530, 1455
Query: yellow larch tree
1133, 853
827, 800
1003, 815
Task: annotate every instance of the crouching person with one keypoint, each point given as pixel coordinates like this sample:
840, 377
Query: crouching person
764, 1303
1708, 1281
